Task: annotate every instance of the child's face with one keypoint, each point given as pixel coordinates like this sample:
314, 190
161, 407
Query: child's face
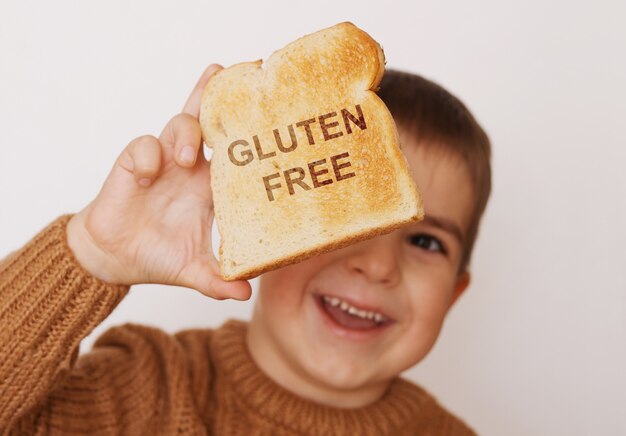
408, 276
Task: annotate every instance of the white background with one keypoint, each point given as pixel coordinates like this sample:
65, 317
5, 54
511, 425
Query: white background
538, 344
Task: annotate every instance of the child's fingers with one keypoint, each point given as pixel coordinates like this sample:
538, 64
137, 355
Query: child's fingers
183, 133
145, 159
192, 107
203, 276
220, 289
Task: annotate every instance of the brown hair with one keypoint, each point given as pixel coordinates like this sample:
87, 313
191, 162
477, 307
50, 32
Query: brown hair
434, 117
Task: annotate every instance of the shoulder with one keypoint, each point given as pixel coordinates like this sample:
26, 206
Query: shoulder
434, 416
149, 346
169, 361
134, 338
134, 378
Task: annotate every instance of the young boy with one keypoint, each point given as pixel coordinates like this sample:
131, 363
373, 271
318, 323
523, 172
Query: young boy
328, 338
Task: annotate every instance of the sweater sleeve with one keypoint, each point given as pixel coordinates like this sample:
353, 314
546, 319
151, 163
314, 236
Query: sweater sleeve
48, 304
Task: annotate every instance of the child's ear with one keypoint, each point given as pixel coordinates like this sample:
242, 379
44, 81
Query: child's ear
462, 282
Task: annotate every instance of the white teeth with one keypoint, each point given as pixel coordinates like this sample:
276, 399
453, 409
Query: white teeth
365, 314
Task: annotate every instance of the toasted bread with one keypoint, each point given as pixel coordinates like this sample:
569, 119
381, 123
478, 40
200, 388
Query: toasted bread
306, 157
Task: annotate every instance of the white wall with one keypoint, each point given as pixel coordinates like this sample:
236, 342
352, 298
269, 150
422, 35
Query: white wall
537, 345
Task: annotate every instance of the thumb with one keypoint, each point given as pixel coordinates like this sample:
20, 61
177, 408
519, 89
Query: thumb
203, 276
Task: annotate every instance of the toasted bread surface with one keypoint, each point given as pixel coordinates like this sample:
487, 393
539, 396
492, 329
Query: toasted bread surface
306, 156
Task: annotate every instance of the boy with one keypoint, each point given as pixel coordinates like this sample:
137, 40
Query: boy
328, 338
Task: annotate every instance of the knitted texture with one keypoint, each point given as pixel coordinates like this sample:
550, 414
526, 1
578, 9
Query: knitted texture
140, 380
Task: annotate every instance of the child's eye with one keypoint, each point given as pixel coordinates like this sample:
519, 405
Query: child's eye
427, 242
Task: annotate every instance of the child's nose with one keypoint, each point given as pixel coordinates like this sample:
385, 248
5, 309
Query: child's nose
377, 259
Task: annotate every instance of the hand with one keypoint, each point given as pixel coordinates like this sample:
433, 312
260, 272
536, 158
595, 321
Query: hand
151, 221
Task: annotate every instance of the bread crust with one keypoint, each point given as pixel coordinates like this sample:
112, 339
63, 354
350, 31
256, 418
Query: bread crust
372, 191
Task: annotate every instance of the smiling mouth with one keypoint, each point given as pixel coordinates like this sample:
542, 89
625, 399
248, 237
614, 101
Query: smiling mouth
350, 317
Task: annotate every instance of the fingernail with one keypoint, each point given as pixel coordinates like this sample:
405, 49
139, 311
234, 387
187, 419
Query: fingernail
187, 154
144, 182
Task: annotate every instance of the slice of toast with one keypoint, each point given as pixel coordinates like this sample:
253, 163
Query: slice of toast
306, 157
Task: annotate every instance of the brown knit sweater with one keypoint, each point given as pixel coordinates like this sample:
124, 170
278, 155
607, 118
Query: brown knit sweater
140, 380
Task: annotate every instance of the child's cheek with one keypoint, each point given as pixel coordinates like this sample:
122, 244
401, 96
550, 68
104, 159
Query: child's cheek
278, 302
280, 292
432, 303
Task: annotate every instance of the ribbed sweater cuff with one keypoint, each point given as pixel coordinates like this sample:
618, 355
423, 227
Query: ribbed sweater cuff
48, 304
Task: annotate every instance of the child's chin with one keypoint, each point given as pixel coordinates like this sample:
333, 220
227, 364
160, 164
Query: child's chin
341, 375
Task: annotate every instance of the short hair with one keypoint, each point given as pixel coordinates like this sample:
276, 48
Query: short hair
435, 117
